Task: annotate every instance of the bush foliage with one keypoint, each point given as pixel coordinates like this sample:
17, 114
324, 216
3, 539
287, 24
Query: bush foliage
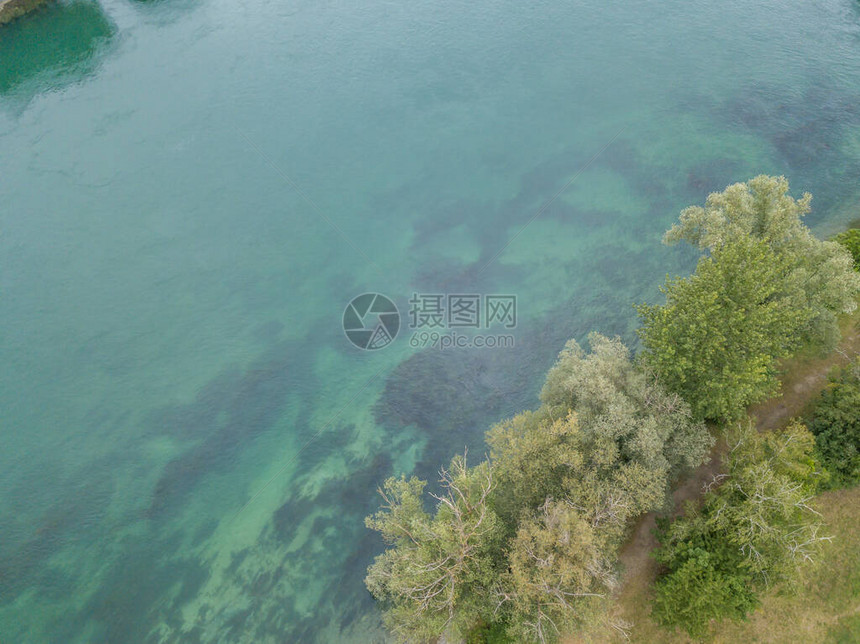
836, 425
850, 239
755, 529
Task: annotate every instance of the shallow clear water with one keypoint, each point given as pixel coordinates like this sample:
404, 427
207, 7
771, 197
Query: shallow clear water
191, 192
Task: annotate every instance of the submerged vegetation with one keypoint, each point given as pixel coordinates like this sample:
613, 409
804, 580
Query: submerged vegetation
525, 543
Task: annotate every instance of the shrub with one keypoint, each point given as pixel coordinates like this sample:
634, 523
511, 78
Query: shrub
850, 239
756, 529
706, 582
836, 425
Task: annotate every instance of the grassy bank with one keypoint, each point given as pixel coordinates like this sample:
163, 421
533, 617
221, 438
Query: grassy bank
825, 606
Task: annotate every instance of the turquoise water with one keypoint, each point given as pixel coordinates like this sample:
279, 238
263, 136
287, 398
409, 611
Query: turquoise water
191, 192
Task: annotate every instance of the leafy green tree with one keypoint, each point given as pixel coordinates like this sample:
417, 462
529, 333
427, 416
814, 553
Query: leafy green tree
850, 240
626, 415
600, 451
528, 539
606, 435
836, 425
537, 458
438, 576
818, 277
717, 339
756, 528
760, 208
764, 507
767, 287
533, 456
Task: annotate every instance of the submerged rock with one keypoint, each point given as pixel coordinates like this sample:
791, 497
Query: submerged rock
11, 9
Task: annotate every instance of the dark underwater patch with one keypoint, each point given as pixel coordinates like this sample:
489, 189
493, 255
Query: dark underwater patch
646, 180
77, 515
353, 495
227, 414
710, 176
236, 560
290, 514
455, 396
125, 603
807, 131
206, 530
489, 223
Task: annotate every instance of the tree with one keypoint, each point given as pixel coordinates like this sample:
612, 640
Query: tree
767, 287
533, 456
606, 433
836, 425
764, 507
558, 571
756, 528
623, 409
600, 451
538, 458
439, 574
850, 240
819, 275
528, 539
717, 339
625, 413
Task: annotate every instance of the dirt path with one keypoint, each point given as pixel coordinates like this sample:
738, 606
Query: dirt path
805, 377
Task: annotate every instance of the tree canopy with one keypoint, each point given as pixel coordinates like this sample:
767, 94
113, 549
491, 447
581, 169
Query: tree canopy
766, 287
442, 568
717, 339
850, 239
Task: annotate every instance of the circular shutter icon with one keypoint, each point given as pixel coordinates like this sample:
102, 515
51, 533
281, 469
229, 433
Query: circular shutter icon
371, 321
